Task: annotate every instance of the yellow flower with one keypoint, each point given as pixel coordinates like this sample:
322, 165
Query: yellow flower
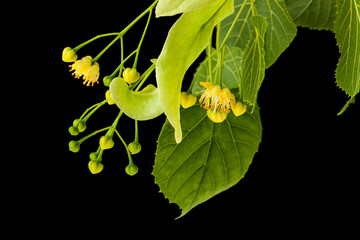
86, 69
216, 99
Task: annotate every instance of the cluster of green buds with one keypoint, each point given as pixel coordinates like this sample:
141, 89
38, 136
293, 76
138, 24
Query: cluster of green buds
88, 69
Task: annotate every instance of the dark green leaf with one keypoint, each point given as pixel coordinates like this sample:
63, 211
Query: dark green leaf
211, 158
314, 14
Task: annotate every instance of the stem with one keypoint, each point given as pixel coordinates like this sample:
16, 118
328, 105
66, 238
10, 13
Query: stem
122, 33
126, 147
122, 65
94, 38
141, 40
105, 49
92, 134
113, 126
95, 107
253, 7
219, 52
233, 24
136, 132
210, 61
144, 77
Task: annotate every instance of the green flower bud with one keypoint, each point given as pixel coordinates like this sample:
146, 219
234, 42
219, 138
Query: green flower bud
131, 169
239, 108
134, 147
106, 142
95, 167
187, 100
76, 122
73, 131
81, 126
107, 96
69, 55
74, 146
131, 75
107, 80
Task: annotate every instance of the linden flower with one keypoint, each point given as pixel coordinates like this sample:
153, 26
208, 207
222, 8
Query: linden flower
215, 98
86, 69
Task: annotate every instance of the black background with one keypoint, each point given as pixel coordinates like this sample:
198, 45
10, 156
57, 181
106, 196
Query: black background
303, 180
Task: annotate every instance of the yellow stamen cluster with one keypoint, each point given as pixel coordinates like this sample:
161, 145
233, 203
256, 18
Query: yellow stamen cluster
216, 99
86, 69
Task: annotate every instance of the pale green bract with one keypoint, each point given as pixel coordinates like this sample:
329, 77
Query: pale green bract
186, 40
142, 105
172, 7
211, 158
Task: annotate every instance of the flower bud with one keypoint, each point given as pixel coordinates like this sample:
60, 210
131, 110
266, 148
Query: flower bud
81, 126
216, 117
107, 80
69, 55
76, 122
74, 131
74, 146
134, 147
106, 142
131, 75
239, 108
95, 167
107, 96
131, 169
93, 156
187, 100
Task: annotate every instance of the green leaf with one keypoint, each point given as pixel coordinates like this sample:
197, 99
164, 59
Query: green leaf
142, 105
211, 158
172, 7
230, 72
186, 40
253, 64
347, 33
280, 31
314, 14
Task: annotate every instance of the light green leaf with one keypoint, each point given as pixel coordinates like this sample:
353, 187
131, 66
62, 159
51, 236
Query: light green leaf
186, 40
211, 158
253, 64
280, 31
172, 7
230, 72
143, 105
314, 14
347, 33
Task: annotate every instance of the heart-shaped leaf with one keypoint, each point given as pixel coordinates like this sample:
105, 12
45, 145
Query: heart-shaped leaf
211, 158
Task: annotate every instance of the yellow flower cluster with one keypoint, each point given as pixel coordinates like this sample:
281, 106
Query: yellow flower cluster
219, 102
87, 69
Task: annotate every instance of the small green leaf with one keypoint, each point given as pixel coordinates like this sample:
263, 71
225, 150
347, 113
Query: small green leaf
314, 14
186, 40
172, 7
280, 31
347, 33
253, 64
211, 158
143, 105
